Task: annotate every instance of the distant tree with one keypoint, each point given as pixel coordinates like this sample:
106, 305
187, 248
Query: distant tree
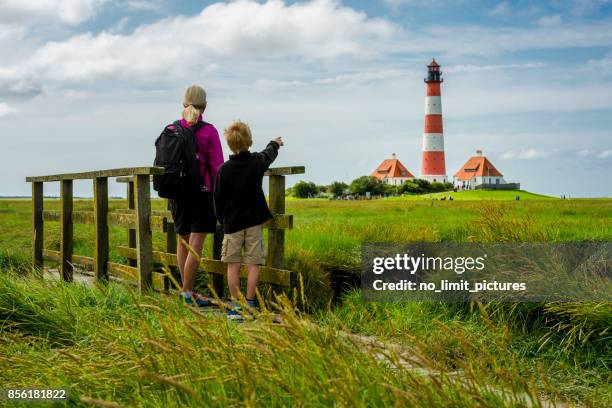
305, 189
337, 188
410, 187
436, 187
365, 184
424, 185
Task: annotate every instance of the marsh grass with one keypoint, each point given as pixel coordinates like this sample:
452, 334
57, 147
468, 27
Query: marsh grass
153, 351
110, 345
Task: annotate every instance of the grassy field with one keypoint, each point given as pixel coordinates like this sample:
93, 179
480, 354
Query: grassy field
113, 345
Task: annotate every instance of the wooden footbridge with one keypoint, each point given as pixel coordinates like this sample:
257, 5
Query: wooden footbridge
143, 266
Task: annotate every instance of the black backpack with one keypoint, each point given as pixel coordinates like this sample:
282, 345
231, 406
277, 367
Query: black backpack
176, 150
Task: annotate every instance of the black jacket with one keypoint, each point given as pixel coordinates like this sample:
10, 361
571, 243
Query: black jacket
239, 198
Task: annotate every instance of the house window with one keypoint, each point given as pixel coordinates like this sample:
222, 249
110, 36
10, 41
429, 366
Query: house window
496, 181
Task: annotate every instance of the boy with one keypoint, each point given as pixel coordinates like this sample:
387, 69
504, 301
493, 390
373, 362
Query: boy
240, 206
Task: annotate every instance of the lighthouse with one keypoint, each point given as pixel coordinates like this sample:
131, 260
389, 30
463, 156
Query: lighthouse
433, 167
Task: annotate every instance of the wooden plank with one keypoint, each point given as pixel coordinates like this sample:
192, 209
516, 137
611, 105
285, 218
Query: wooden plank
131, 234
171, 242
276, 237
99, 173
144, 239
101, 228
274, 171
55, 256
268, 274
37, 226
125, 220
129, 274
285, 171
66, 230
216, 280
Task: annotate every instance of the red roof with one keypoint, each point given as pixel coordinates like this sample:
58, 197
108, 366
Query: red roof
477, 166
433, 63
391, 168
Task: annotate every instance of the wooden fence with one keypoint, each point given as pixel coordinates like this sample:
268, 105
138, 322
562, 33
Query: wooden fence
140, 221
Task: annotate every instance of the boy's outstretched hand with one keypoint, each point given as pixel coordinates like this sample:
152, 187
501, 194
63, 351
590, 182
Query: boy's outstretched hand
279, 140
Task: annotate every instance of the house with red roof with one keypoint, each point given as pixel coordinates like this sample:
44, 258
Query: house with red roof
478, 172
392, 171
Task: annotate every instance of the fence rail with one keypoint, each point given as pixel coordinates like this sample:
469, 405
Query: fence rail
141, 221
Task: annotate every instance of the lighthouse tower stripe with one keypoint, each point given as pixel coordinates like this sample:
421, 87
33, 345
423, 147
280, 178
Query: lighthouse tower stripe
433, 124
433, 142
433, 165
433, 105
433, 89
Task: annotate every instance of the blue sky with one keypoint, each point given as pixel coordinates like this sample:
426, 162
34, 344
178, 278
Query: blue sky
88, 84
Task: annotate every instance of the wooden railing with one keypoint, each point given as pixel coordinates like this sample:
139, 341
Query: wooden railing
140, 221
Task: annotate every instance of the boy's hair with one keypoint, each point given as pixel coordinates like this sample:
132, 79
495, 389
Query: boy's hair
238, 136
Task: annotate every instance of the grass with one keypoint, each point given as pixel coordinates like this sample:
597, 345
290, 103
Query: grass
110, 344
471, 195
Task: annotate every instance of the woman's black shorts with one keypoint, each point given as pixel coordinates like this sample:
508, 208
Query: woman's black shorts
194, 215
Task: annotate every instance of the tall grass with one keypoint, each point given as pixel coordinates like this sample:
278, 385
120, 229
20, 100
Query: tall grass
153, 351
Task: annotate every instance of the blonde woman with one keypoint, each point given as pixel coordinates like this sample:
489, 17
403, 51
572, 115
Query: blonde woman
194, 216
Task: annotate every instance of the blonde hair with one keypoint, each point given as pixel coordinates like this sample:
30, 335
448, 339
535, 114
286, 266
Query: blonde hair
194, 103
238, 136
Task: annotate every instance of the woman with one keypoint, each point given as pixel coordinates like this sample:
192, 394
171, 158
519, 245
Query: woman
194, 216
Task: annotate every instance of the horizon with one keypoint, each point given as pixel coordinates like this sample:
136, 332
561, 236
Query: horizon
92, 83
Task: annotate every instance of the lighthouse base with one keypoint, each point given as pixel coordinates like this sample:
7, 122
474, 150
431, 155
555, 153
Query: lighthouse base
436, 178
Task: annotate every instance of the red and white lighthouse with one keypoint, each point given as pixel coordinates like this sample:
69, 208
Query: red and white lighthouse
433, 167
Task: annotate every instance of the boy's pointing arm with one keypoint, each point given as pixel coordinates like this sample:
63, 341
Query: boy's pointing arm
268, 155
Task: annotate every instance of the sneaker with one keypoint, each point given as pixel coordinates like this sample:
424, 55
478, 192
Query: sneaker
191, 298
233, 313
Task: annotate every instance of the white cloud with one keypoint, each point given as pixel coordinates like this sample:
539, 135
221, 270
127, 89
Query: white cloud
144, 5
549, 21
524, 154
6, 109
605, 154
242, 29
496, 67
502, 9
69, 12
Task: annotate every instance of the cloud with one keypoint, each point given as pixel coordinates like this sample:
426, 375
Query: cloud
502, 9
605, 154
495, 67
549, 21
242, 29
71, 12
144, 5
524, 154
6, 109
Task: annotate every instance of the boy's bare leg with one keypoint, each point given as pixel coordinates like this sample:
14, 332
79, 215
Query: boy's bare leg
181, 254
233, 280
192, 261
252, 281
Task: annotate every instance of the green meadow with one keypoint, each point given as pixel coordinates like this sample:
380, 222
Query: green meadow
113, 347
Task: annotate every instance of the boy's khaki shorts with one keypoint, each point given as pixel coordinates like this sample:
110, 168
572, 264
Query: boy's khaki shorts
250, 240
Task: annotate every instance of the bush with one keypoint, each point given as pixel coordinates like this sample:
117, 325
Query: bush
338, 188
304, 189
365, 184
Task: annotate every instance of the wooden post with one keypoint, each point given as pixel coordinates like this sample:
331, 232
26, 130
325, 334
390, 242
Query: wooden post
66, 230
276, 238
131, 232
37, 224
171, 241
144, 244
216, 280
101, 228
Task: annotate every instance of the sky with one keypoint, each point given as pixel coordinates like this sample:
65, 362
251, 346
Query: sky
90, 84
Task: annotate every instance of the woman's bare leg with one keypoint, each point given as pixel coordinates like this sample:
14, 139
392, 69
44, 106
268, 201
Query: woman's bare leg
190, 270
181, 254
